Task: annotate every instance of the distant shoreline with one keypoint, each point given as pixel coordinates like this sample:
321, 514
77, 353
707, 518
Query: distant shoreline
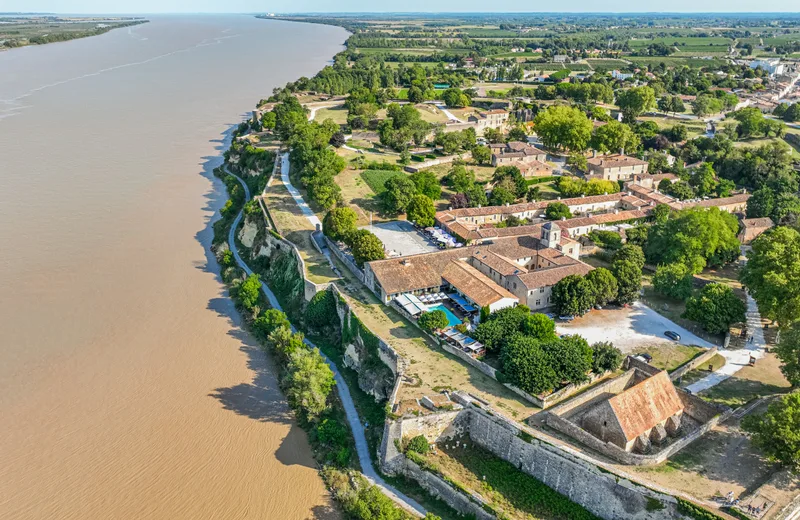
103, 25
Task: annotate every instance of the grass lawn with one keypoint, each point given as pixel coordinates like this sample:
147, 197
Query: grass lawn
690, 377
376, 179
506, 488
431, 114
670, 356
337, 114
765, 378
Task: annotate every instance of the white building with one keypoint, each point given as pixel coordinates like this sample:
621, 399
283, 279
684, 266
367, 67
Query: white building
772, 65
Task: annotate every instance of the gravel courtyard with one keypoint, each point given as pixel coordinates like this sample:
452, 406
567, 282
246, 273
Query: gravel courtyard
629, 329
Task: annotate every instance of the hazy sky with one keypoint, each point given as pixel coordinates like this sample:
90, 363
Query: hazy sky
295, 6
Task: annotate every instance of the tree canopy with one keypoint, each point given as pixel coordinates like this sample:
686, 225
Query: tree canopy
777, 432
563, 127
716, 308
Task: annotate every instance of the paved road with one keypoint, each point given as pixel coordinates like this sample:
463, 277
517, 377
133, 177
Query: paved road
362, 448
736, 360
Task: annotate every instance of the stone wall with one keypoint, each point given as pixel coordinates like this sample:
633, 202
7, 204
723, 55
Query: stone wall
693, 363
332, 246
601, 492
414, 168
465, 505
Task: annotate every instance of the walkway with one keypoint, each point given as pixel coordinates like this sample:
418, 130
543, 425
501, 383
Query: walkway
735, 360
362, 448
301, 203
450, 115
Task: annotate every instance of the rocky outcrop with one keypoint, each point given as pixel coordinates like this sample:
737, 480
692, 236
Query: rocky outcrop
248, 233
374, 378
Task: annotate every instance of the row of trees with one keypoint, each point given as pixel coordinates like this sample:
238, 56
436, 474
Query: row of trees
575, 295
340, 224
534, 358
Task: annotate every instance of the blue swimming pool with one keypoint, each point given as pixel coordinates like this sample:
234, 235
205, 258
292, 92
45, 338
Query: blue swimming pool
452, 318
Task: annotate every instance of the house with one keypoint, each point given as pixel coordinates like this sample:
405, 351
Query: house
502, 273
560, 58
644, 414
622, 76
516, 152
753, 227
534, 169
616, 167
495, 119
773, 66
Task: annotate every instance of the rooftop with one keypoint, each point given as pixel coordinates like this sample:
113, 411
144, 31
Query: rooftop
644, 405
473, 284
615, 161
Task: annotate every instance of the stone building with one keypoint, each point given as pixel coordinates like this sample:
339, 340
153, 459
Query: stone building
753, 227
644, 414
616, 167
516, 152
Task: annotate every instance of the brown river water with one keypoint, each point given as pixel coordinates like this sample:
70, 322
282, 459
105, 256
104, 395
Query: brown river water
127, 386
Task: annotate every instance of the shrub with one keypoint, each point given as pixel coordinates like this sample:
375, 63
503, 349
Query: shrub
433, 320
339, 222
673, 280
606, 357
606, 239
715, 308
321, 310
365, 247
418, 444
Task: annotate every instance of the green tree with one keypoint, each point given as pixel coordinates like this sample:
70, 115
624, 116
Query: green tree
629, 281
630, 253
777, 432
695, 237
249, 292
269, 320
613, 137
673, 280
788, 351
339, 222
556, 211
399, 192
502, 196
661, 214
482, 155
421, 211
571, 358
571, 187
606, 357
704, 180
704, 105
772, 274
309, 382
603, 285
681, 190
365, 247
527, 366
578, 161
637, 235
517, 133
476, 196
573, 296
634, 101
715, 308
761, 203
321, 311
562, 127
498, 326
454, 97
460, 178
433, 320
538, 326
601, 187
427, 184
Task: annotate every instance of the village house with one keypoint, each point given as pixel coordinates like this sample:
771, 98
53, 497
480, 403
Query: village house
616, 167
515, 152
502, 273
753, 227
495, 119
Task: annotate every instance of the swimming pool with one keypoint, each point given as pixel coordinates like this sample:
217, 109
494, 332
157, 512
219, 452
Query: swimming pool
452, 318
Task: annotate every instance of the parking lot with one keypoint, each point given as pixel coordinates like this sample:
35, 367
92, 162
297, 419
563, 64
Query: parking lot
402, 238
628, 329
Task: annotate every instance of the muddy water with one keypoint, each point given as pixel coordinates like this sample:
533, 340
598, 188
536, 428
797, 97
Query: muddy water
127, 387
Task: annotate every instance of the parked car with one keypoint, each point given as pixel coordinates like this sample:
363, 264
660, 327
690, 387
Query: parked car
645, 356
566, 318
673, 335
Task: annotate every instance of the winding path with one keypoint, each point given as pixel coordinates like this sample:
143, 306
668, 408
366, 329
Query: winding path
362, 448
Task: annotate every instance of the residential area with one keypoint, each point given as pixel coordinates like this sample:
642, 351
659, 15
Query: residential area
597, 257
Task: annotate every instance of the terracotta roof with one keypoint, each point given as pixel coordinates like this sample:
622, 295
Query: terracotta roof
550, 276
473, 284
758, 223
605, 218
535, 164
645, 405
451, 214
650, 194
501, 264
615, 161
517, 149
714, 203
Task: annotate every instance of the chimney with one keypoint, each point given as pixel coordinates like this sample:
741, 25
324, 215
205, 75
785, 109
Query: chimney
563, 218
406, 262
583, 195
507, 204
622, 151
559, 197
594, 154
605, 193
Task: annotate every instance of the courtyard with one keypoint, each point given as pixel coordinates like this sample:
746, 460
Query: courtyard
629, 329
401, 238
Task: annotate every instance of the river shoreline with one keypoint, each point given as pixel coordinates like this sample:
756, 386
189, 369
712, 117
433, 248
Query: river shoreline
67, 37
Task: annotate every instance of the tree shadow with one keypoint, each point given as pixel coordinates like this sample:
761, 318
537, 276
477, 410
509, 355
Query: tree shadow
325, 512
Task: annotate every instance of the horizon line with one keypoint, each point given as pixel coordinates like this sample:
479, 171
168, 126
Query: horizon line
362, 13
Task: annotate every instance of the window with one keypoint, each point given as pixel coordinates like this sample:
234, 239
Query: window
541, 289
538, 302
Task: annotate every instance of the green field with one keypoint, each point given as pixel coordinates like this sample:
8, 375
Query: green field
600, 64
672, 61
682, 41
376, 179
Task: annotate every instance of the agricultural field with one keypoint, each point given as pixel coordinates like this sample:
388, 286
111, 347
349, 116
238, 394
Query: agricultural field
376, 179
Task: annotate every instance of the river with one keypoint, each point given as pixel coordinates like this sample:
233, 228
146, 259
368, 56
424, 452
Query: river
127, 386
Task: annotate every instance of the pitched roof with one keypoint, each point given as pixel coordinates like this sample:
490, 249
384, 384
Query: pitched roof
615, 161
758, 223
452, 214
474, 284
715, 203
550, 276
646, 404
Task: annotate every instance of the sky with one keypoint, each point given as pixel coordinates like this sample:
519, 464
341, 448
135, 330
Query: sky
298, 6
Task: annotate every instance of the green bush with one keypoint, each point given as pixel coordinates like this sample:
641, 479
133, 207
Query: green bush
321, 311
694, 511
418, 444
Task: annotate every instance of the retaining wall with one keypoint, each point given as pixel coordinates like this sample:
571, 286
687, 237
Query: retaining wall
693, 363
332, 246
